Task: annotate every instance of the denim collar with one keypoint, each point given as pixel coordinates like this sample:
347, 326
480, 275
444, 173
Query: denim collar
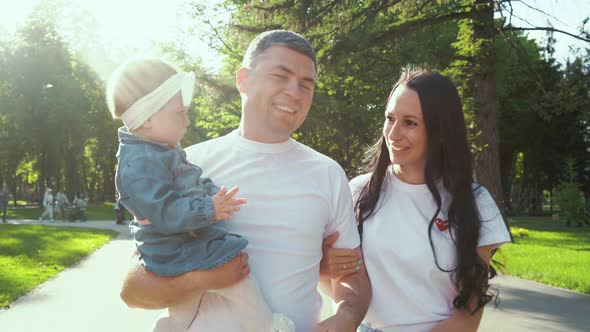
125, 137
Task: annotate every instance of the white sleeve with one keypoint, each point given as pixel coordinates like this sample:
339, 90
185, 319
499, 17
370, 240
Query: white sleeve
342, 220
493, 229
357, 184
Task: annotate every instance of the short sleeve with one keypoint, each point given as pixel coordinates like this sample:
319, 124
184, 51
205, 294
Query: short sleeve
343, 220
357, 184
493, 230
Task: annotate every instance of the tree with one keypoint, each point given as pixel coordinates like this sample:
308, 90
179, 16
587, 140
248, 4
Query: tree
38, 68
352, 88
12, 137
340, 30
58, 129
570, 198
518, 93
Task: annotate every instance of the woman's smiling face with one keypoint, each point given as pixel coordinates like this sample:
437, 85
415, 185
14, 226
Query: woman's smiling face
404, 131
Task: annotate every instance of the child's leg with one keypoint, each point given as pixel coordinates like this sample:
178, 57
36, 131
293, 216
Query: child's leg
251, 309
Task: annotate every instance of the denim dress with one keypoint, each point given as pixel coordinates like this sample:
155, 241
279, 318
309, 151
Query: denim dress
157, 183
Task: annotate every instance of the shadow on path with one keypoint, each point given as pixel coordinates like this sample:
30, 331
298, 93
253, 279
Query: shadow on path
531, 306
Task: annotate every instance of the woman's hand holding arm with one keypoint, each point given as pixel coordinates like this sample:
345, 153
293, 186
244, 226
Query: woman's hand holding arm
337, 263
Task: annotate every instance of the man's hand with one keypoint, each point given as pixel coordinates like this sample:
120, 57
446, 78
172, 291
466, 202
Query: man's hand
225, 204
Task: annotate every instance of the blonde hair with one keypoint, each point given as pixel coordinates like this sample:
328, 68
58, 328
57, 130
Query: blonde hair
134, 79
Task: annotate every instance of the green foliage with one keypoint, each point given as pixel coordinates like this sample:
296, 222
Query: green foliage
27, 171
353, 84
518, 231
57, 131
568, 199
361, 47
51, 107
32, 254
571, 203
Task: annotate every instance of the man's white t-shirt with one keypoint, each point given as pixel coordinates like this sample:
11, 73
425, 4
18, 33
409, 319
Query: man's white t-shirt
410, 293
296, 197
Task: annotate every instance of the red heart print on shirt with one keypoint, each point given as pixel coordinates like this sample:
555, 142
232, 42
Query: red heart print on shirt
442, 225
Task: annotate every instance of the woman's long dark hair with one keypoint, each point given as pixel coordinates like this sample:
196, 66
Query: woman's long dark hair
448, 159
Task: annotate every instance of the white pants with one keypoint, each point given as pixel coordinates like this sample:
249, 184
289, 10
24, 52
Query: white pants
246, 303
48, 210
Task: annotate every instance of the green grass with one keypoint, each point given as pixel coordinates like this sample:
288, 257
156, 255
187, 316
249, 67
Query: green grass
32, 254
551, 254
18, 202
102, 211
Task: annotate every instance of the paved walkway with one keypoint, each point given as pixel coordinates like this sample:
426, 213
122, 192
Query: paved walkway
85, 297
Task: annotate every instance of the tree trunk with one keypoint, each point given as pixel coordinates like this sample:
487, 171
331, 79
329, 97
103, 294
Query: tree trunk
71, 166
483, 85
508, 157
42, 175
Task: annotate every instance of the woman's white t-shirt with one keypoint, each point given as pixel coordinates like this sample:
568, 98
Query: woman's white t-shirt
409, 291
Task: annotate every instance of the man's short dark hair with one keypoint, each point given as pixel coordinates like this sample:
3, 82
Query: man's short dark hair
289, 39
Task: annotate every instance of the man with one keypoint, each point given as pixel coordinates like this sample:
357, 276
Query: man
47, 204
4, 196
119, 213
60, 200
296, 198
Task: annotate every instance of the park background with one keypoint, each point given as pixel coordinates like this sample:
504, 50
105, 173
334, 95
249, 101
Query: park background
522, 68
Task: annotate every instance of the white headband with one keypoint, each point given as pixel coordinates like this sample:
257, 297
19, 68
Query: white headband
151, 103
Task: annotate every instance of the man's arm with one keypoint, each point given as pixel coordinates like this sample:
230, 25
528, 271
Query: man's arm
353, 295
146, 290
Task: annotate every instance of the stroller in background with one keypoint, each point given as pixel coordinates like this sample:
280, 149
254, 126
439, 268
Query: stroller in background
75, 211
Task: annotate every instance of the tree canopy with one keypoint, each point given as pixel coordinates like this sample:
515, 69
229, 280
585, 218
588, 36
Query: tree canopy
526, 113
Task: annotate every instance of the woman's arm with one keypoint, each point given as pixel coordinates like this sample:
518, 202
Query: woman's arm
146, 290
462, 320
353, 295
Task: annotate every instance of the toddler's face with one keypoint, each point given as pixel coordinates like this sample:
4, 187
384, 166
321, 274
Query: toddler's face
169, 124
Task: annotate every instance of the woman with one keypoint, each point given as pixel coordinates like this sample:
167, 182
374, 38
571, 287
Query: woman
47, 204
428, 233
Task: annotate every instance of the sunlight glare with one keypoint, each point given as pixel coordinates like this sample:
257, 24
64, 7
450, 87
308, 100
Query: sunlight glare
113, 30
